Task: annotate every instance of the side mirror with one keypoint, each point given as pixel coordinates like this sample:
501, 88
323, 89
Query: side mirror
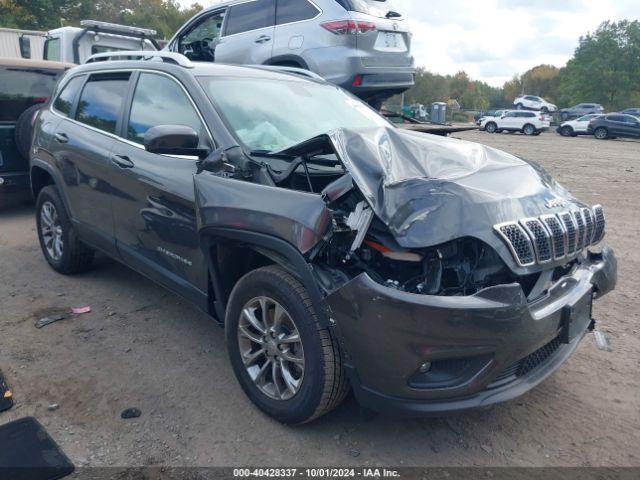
173, 140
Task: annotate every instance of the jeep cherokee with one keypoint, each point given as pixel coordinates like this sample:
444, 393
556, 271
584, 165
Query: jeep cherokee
428, 274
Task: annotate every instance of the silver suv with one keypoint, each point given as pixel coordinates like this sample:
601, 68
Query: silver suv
363, 46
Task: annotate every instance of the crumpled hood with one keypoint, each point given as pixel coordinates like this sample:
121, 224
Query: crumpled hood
429, 189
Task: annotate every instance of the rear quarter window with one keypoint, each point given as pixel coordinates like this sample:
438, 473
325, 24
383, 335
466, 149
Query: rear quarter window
102, 99
21, 88
250, 16
64, 102
289, 11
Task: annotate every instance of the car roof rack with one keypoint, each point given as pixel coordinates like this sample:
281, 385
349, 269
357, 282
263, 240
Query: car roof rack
123, 55
286, 69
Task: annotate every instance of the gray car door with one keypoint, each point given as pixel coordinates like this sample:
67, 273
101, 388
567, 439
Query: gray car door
248, 34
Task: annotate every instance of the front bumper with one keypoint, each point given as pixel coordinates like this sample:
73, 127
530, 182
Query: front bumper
388, 334
14, 185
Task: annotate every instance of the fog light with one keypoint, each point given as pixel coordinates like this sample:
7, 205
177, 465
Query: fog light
425, 367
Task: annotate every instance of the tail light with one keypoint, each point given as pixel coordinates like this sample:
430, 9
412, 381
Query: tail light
349, 27
357, 82
40, 99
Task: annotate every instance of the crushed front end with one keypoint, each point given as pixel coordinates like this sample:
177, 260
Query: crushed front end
457, 293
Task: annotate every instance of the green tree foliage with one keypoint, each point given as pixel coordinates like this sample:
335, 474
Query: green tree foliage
605, 67
431, 87
164, 16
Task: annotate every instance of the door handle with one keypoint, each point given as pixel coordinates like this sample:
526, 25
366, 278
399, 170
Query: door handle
122, 161
263, 39
61, 138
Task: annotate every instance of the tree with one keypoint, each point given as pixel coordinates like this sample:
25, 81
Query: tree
606, 67
164, 16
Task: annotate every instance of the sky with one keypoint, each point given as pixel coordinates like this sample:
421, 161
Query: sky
493, 40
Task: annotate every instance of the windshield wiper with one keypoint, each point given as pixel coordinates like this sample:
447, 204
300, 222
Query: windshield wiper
392, 14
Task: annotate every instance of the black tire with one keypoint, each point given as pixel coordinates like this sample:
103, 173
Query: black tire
566, 131
529, 129
24, 129
564, 116
76, 257
519, 106
544, 110
324, 384
491, 127
601, 133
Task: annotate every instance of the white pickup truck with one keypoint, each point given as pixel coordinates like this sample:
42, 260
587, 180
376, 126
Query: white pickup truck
75, 45
529, 123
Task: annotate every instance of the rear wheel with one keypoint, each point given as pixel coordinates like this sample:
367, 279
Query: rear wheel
286, 362
601, 133
60, 245
529, 129
491, 127
564, 116
566, 131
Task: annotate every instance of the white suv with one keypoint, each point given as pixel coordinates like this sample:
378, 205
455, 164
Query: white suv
529, 123
531, 102
577, 127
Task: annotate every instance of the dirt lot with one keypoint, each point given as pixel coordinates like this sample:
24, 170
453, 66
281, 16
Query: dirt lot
144, 347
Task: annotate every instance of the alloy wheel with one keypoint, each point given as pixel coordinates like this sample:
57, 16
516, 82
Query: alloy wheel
51, 230
271, 348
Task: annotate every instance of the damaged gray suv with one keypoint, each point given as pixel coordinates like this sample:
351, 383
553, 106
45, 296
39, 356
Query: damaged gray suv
429, 275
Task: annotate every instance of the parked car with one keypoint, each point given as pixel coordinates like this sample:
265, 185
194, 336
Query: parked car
614, 125
576, 127
632, 111
532, 102
580, 110
279, 220
77, 44
529, 123
491, 114
25, 85
363, 46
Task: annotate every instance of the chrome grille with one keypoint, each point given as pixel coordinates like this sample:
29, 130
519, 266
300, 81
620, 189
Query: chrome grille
577, 216
540, 238
570, 227
553, 237
518, 242
558, 237
587, 214
599, 223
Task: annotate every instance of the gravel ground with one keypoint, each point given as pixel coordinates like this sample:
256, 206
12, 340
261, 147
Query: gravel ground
143, 347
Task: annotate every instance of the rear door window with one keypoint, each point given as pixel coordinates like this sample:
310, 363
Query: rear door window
289, 11
156, 99
102, 99
64, 101
250, 16
21, 88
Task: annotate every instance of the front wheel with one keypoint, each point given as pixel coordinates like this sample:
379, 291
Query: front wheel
491, 127
519, 106
286, 362
544, 110
566, 131
529, 129
601, 133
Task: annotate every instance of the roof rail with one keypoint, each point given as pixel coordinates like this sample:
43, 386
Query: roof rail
295, 70
168, 57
